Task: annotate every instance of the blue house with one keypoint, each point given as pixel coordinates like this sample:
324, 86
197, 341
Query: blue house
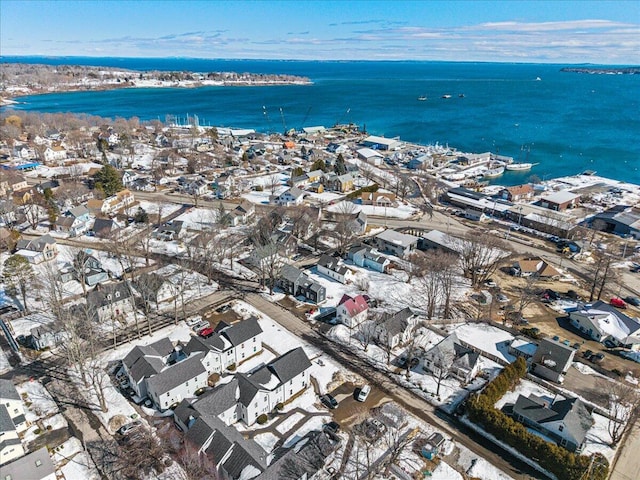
367, 257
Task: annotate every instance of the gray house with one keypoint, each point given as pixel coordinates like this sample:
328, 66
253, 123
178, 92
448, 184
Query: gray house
396, 329
109, 301
566, 421
332, 268
396, 243
552, 360
294, 281
451, 358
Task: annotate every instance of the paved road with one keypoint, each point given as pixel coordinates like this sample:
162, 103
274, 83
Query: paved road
413, 403
627, 466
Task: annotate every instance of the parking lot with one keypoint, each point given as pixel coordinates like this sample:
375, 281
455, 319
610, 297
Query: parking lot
350, 411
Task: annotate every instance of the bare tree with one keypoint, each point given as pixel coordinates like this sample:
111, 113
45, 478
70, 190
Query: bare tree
439, 363
272, 183
527, 293
601, 273
344, 231
480, 255
624, 408
142, 456
448, 263
366, 333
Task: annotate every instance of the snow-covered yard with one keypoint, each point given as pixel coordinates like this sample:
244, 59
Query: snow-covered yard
486, 338
402, 211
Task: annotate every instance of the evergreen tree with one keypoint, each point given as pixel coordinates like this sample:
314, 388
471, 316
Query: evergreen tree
108, 180
297, 172
18, 276
319, 165
141, 216
340, 168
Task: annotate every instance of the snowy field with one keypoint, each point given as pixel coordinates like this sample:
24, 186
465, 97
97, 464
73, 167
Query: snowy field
153, 208
200, 219
72, 461
5, 366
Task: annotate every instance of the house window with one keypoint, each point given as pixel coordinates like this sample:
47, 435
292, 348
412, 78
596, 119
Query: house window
38, 463
117, 294
254, 339
255, 349
561, 427
109, 297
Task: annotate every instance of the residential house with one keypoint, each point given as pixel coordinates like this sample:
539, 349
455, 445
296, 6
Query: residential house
112, 205
541, 219
333, 268
517, 193
352, 311
224, 185
339, 183
196, 187
601, 321
170, 231
290, 197
523, 347
378, 199
367, 257
560, 200
337, 148
534, 266
566, 421
84, 268
10, 398
75, 222
55, 154
177, 381
228, 345
242, 213
305, 459
552, 360
280, 243
359, 223
396, 329
272, 384
109, 301
435, 239
396, 243
45, 336
144, 361
105, 228
294, 281
10, 444
38, 250
451, 358
33, 466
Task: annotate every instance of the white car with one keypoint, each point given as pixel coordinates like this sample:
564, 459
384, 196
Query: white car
193, 320
129, 427
200, 325
363, 393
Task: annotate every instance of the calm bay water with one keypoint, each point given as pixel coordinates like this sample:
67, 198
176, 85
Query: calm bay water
571, 122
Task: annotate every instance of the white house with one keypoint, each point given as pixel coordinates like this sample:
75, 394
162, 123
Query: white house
10, 444
33, 466
397, 328
290, 197
55, 154
399, 244
228, 345
38, 250
333, 268
177, 381
381, 143
602, 321
272, 384
10, 398
352, 311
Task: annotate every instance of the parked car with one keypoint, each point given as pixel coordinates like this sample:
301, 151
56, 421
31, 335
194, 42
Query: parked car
609, 343
363, 393
402, 362
618, 303
206, 332
587, 354
193, 320
502, 298
333, 427
490, 283
200, 325
635, 301
597, 358
223, 309
129, 427
328, 401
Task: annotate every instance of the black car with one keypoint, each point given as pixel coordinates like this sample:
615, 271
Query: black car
328, 401
333, 427
597, 358
587, 354
635, 301
609, 343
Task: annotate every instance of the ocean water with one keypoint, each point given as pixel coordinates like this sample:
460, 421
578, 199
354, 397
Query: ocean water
567, 122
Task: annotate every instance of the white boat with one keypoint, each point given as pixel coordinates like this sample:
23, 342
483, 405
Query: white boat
538, 79
493, 172
519, 167
446, 96
422, 98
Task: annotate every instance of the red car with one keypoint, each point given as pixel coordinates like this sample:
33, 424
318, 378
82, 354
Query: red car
206, 332
618, 302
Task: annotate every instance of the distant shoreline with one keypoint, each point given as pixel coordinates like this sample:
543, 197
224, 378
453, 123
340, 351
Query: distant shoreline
40, 79
603, 71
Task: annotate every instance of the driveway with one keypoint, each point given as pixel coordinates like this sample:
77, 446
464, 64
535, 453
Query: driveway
350, 411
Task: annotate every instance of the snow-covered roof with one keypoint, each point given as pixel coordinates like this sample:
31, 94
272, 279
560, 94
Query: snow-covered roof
563, 196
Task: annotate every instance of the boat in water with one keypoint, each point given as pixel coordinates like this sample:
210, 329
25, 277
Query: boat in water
493, 172
461, 95
422, 98
446, 96
519, 167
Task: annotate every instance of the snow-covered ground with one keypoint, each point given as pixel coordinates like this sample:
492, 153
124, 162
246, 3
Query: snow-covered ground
266, 440
5, 366
200, 219
153, 208
72, 461
37, 400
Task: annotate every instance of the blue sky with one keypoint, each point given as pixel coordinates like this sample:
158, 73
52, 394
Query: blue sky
605, 32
